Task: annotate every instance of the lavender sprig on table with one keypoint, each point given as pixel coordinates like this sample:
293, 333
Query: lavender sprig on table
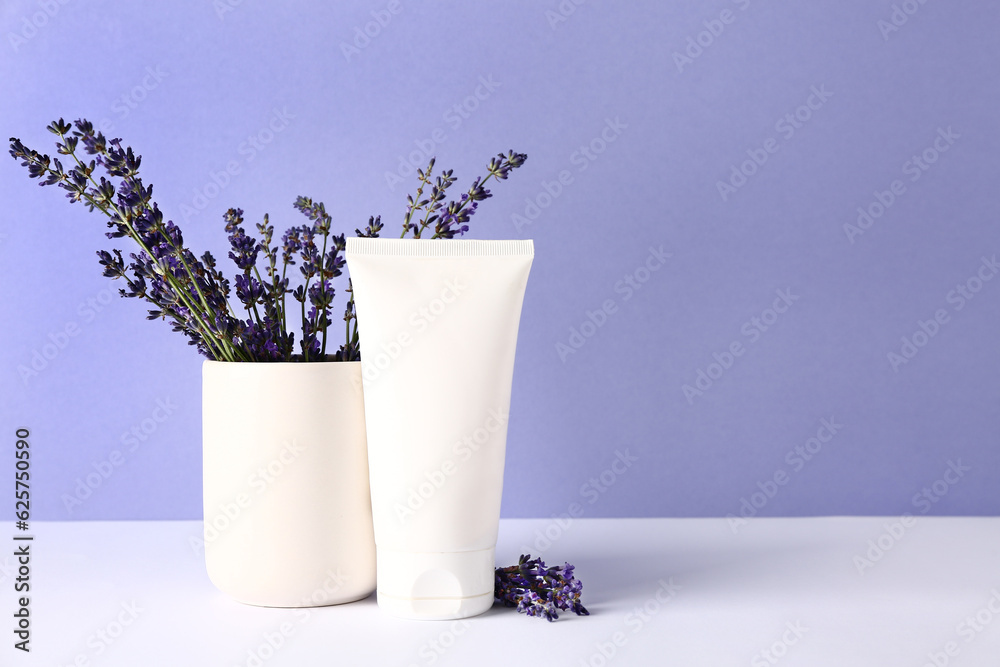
538, 590
192, 294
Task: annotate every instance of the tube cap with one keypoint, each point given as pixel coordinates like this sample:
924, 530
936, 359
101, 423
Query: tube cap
435, 586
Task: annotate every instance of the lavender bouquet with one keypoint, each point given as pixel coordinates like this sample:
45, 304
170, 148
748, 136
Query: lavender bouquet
192, 293
537, 590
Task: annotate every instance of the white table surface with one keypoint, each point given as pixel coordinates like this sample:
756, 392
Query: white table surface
733, 596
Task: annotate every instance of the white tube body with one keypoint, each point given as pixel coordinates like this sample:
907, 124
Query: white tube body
438, 322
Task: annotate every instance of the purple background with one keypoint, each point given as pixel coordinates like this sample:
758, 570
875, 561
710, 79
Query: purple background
555, 85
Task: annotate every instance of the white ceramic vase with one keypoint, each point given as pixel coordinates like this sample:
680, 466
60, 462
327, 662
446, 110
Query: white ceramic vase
288, 518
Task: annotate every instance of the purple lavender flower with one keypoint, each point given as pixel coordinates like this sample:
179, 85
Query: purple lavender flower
248, 289
538, 590
373, 228
244, 248
291, 244
315, 212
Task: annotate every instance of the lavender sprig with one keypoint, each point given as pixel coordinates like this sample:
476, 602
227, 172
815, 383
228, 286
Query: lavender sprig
178, 283
452, 219
538, 590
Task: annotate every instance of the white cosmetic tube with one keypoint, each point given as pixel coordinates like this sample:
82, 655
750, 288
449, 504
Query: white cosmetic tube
437, 321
